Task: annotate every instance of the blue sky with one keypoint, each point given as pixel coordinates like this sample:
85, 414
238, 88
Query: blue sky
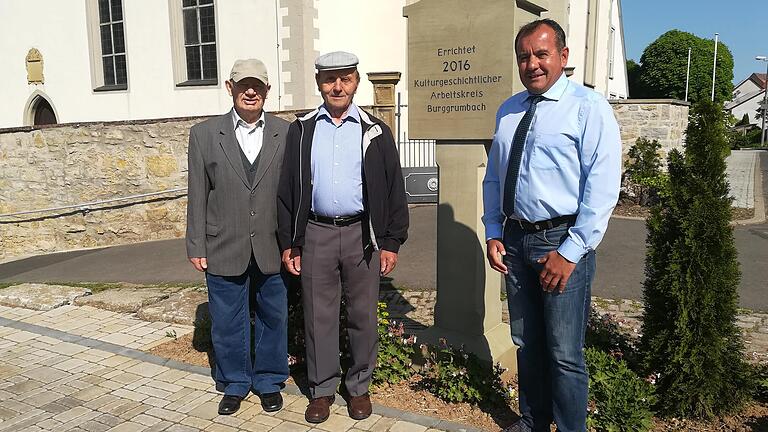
737, 21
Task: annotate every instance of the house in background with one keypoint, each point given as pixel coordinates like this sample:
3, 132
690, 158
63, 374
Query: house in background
747, 97
104, 60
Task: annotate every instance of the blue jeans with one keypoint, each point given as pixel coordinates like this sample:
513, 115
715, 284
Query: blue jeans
228, 303
548, 329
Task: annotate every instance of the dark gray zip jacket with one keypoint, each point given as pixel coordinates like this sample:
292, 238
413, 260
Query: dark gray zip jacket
385, 225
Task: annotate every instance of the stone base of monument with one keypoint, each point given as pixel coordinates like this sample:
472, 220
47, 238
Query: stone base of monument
495, 345
468, 308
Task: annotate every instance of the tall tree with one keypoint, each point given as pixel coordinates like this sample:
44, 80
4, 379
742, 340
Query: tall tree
633, 80
664, 62
690, 338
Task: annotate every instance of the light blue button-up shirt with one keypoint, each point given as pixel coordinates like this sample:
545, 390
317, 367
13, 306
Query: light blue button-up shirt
337, 175
571, 164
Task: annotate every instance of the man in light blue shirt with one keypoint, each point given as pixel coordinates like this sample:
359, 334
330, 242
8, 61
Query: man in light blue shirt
337, 180
550, 186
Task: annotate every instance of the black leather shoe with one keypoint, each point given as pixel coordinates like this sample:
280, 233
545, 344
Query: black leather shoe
271, 402
229, 404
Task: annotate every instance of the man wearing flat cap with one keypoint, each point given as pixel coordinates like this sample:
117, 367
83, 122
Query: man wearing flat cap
342, 216
234, 169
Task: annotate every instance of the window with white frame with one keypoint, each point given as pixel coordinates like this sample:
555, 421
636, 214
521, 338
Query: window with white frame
200, 39
193, 36
109, 65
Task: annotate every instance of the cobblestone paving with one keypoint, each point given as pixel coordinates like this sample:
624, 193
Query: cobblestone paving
79, 368
416, 310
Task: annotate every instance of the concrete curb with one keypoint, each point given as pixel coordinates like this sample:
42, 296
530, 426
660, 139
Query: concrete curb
759, 216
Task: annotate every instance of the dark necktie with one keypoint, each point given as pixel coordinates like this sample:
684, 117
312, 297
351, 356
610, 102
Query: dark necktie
516, 155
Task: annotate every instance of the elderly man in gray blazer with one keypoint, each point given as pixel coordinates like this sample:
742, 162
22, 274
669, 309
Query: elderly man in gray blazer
234, 167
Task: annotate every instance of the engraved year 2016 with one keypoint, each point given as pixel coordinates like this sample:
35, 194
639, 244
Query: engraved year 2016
456, 65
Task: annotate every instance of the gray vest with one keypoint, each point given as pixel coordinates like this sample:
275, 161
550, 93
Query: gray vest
250, 168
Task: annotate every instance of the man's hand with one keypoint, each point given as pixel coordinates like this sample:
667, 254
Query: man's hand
200, 263
494, 252
388, 261
556, 272
292, 261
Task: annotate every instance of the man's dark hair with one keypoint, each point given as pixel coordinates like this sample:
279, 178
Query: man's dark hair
532, 26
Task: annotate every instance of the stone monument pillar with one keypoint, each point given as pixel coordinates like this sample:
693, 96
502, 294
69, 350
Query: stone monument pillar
384, 97
461, 66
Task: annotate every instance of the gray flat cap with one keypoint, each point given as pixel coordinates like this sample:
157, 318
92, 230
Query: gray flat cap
336, 60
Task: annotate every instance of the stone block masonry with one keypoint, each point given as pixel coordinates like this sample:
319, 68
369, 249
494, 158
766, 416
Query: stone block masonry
72, 164
664, 120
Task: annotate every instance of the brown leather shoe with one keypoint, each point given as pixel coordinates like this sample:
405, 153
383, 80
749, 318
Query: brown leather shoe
359, 407
319, 409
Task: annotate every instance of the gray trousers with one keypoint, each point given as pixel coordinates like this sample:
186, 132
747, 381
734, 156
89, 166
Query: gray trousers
332, 259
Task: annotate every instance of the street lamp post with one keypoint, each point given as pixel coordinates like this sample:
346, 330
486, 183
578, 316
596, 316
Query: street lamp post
765, 99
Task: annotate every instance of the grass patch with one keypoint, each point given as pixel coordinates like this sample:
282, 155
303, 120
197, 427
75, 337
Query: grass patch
601, 302
95, 287
7, 284
182, 285
635, 306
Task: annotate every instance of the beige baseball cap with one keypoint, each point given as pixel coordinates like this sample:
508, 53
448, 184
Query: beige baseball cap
249, 68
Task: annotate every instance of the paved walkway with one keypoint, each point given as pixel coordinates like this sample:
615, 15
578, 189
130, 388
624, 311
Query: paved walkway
740, 170
80, 368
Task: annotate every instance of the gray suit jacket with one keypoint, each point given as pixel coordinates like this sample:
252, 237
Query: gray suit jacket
227, 217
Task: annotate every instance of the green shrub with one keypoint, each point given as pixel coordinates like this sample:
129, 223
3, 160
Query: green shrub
753, 138
619, 400
760, 383
643, 177
750, 139
737, 140
396, 351
690, 339
644, 160
455, 375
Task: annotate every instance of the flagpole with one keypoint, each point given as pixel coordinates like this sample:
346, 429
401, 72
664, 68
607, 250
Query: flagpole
687, 74
714, 67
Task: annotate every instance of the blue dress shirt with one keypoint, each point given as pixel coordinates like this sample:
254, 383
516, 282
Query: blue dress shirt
337, 156
571, 164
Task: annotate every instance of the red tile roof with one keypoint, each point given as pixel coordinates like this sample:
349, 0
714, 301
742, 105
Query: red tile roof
759, 79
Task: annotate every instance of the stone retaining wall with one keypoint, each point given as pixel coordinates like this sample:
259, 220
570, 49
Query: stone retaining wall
63, 165
664, 120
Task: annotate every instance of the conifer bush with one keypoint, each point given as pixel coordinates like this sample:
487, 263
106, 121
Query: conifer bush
690, 340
